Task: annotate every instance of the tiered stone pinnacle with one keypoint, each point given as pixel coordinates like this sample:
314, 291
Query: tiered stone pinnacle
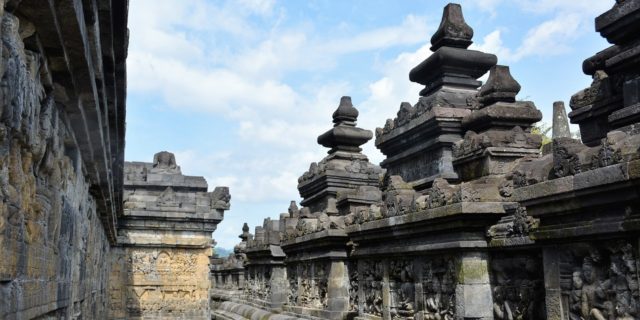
345, 136
498, 132
500, 87
498, 106
451, 64
418, 142
245, 232
612, 102
345, 168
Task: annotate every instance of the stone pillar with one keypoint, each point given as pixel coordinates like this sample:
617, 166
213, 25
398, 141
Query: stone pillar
553, 291
473, 291
241, 279
361, 284
419, 289
279, 286
220, 281
386, 292
560, 127
229, 281
338, 287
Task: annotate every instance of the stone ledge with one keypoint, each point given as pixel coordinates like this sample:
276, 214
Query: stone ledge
462, 208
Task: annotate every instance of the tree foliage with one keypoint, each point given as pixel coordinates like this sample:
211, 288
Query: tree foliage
543, 130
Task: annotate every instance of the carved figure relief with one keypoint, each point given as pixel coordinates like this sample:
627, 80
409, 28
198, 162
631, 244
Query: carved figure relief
438, 283
292, 276
319, 290
163, 263
441, 193
402, 289
168, 198
353, 286
372, 278
221, 198
603, 282
518, 287
305, 294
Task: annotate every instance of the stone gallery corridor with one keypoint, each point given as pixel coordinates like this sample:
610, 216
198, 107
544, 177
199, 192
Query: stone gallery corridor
473, 212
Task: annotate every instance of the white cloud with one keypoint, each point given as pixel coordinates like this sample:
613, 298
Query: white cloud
277, 123
583, 7
492, 43
217, 90
412, 30
490, 6
554, 36
386, 94
550, 37
263, 7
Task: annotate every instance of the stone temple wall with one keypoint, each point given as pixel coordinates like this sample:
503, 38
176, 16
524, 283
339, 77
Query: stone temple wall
152, 281
59, 165
468, 217
160, 268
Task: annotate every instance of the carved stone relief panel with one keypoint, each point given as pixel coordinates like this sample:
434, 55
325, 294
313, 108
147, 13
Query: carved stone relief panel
305, 291
423, 165
372, 272
292, 275
165, 281
401, 289
258, 285
251, 288
439, 279
265, 283
600, 281
319, 290
518, 286
353, 285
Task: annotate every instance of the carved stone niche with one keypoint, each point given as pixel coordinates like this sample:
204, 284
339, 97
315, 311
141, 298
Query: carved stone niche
292, 277
439, 279
517, 285
371, 284
304, 284
401, 289
600, 280
318, 290
354, 286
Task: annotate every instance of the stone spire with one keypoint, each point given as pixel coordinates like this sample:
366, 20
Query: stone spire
245, 232
345, 136
418, 142
453, 30
612, 101
344, 169
345, 113
498, 106
500, 86
498, 132
452, 64
560, 127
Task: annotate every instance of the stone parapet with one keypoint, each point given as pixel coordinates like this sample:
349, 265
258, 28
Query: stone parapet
162, 266
470, 219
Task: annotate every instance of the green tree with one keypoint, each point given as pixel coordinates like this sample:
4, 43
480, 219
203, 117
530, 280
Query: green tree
543, 130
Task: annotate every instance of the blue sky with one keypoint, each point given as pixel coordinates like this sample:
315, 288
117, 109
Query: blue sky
239, 90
